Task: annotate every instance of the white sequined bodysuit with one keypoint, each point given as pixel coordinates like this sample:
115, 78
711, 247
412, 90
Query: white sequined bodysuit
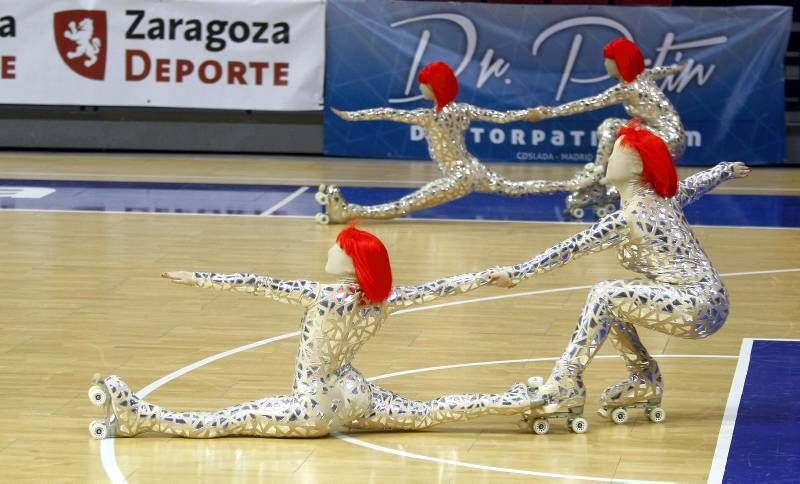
641, 98
462, 172
328, 394
679, 291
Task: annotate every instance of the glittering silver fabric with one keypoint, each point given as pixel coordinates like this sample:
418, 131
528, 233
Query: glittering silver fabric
328, 393
642, 98
679, 293
462, 172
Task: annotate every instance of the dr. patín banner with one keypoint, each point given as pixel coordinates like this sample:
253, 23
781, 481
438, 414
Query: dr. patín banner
730, 94
232, 54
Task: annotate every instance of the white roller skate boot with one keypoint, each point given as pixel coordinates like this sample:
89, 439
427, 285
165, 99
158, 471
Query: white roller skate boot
126, 415
554, 401
334, 205
100, 397
643, 389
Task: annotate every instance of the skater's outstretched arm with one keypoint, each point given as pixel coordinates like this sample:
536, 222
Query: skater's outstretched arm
614, 95
299, 292
414, 116
607, 232
403, 296
661, 72
697, 185
483, 114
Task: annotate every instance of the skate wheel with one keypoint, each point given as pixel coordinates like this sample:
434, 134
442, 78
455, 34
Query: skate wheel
656, 414
535, 382
97, 395
540, 426
577, 212
619, 416
589, 167
98, 429
321, 197
604, 210
322, 218
579, 425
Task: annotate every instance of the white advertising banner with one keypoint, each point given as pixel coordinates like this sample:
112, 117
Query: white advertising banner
226, 54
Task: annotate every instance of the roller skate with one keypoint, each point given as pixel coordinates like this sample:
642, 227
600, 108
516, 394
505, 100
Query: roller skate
643, 389
100, 397
551, 403
333, 204
591, 192
123, 409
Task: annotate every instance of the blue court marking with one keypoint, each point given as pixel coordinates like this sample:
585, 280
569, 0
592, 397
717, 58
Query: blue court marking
765, 442
734, 210
150, 197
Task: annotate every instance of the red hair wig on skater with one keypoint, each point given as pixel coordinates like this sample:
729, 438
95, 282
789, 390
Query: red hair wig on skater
628, 57
658, 169
442, 80
371, 261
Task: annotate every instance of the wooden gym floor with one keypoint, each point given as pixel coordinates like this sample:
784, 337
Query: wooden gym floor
81, 293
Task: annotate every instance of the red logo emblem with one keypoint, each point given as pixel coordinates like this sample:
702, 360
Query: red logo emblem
81, 40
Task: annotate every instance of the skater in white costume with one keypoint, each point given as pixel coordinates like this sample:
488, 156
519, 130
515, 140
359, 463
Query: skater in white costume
677, 291
642, 98
445, 126
328, 394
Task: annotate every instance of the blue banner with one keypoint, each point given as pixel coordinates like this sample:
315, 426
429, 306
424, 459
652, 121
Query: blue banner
730, 94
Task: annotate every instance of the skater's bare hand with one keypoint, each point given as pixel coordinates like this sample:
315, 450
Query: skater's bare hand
536, 114
179, 277
499, 277
740, 170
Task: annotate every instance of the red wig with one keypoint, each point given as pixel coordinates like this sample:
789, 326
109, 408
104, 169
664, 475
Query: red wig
658, 169
443, 82
628, 57
371, 261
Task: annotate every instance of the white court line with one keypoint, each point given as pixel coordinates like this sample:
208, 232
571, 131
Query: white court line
457, 463
109, 461
729, 418
197, 364
284, 202
527, 360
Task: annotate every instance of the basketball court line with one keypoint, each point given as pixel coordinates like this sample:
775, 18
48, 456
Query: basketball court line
114, 473
725, 435
284, 202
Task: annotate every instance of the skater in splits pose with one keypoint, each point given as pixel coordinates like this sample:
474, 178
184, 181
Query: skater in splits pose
638, 92
445, 126
677, 291
328, 394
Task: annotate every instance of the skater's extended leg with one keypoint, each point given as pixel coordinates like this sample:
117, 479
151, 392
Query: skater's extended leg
279, 416
432, 194
390, 411
492, 182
